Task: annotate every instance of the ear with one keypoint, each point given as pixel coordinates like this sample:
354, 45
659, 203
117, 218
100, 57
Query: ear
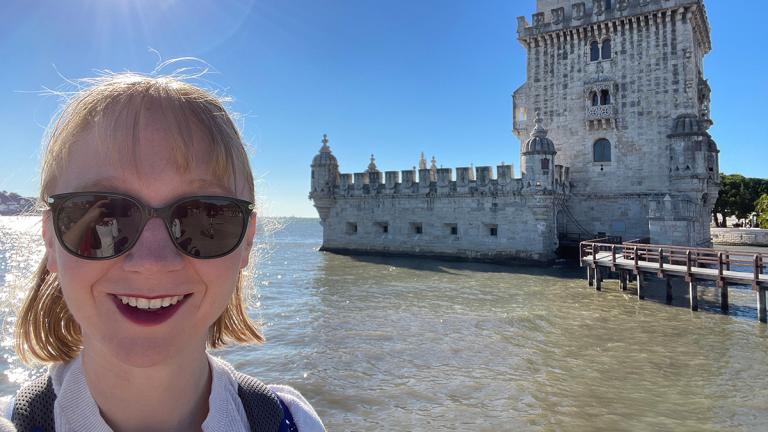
248, 241
49, 238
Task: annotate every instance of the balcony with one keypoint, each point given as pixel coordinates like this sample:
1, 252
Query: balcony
601, 112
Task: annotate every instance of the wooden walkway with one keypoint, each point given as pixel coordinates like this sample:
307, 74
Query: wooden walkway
691, 264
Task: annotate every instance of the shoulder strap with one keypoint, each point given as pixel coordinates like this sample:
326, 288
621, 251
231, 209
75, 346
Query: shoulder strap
33, 406
262, 406
287, 424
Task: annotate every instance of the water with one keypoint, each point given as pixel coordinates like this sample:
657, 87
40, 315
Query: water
400, 344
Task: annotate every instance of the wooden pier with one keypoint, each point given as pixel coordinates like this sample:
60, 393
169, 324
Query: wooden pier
691, 264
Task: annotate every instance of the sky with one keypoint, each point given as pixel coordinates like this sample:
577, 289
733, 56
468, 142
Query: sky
391, 78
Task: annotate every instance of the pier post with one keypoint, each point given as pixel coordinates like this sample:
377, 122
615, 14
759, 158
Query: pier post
590, 275
693, 292
623, 279
640, 283
598, 278
669, 289
762, 316
724, 296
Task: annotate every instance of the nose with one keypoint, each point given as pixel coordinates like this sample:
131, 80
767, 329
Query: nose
153, 251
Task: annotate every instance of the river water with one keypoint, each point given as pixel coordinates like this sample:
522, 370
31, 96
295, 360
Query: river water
414, 345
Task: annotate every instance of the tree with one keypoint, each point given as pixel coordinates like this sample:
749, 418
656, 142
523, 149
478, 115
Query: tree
737, 197
761, 207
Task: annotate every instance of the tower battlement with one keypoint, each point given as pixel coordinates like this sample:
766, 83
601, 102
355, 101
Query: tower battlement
577, 19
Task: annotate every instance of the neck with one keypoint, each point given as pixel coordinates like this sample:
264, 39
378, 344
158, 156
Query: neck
169, 396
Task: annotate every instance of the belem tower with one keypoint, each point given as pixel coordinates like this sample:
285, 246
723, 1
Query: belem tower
612, 121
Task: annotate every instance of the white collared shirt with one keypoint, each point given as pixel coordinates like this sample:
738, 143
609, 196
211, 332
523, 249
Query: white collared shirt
76, 411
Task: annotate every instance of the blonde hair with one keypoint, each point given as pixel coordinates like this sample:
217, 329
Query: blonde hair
111, 104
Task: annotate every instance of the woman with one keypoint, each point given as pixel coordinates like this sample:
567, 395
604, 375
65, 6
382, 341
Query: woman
126, 327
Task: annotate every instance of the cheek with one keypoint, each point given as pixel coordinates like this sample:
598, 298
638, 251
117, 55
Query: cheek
77, 278
220, 277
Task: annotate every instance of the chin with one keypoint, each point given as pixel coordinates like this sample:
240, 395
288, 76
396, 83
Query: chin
145, 352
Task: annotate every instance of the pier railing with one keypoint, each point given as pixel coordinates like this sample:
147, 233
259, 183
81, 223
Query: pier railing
692, 258
722, 266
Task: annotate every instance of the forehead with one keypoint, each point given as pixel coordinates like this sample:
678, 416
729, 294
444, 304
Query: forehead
140, 145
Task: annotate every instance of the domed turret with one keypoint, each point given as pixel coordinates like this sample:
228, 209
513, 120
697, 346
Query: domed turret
325, 177
689, 125
538, 143
324, 157
693, 152
538, 158
372, 165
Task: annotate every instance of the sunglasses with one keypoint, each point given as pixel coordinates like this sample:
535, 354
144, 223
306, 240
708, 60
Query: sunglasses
105, 225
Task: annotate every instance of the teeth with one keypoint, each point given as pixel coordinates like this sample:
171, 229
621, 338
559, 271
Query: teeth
149, 304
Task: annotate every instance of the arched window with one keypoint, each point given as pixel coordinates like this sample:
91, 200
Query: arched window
545, 164
606, 49
594, 51
595, 99
605, 97
607, 4
602, 150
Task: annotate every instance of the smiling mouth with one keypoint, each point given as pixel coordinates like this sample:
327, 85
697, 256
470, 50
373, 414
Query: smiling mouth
150, 304
149, 312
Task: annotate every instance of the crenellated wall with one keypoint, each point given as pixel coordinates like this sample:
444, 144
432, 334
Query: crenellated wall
480, 180
581, 16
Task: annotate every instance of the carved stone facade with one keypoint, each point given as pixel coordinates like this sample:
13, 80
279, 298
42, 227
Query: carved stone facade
620, 87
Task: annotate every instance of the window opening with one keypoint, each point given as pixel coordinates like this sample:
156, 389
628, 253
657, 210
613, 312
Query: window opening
383, 227
595, 99
602, 150
606, 49
594, 51
605, 97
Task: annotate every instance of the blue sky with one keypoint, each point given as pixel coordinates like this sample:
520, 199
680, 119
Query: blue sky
392, 78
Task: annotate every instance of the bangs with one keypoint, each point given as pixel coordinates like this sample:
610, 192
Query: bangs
116, 113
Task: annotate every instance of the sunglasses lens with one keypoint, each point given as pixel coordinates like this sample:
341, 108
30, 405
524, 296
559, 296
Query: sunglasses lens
207, 227
98, 226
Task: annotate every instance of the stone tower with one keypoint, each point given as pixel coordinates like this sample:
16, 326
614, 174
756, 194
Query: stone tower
620, 84
325, 177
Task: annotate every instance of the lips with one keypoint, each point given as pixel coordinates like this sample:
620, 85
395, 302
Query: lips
149, 312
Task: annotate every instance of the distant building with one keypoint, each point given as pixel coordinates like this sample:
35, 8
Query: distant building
619, 86
14, 204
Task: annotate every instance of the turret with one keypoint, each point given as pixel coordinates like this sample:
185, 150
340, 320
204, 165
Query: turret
325, 177
693, 152
537, 158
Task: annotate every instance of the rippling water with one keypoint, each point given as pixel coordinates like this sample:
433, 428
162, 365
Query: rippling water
401, 344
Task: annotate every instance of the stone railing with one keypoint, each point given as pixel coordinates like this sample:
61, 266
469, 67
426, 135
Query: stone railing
740, 236
601, 112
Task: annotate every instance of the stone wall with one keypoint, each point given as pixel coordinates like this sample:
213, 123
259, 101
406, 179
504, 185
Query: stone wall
740, 236
507, 228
